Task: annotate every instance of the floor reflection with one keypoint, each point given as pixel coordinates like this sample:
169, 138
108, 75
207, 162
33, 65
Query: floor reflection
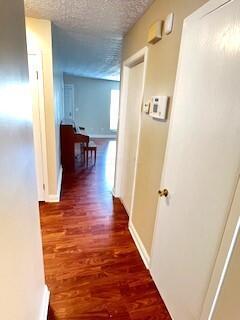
92, 266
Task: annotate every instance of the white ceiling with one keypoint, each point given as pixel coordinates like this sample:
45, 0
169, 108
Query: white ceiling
89, 33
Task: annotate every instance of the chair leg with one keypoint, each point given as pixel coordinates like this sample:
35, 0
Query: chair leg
87, 157
82, 153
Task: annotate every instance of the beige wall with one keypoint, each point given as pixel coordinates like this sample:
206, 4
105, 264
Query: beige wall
160, 80
227, 306
39, 40
21, 266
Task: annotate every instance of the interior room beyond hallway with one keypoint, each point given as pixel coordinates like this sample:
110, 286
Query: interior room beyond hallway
91, 105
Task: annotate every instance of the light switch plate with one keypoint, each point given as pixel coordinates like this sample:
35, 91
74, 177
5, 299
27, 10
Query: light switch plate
146, 107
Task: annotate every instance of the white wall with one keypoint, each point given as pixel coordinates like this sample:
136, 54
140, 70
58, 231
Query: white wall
92, 103
21, 266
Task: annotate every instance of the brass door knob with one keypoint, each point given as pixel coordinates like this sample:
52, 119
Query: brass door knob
163, 193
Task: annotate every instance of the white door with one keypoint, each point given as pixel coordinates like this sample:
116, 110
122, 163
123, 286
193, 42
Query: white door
132, 123
37, 129
69, 102
202, 159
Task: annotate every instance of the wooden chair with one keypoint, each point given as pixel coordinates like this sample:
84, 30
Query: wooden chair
84, 142
90, 146
86, 146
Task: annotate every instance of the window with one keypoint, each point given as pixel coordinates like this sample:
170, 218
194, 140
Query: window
114, 108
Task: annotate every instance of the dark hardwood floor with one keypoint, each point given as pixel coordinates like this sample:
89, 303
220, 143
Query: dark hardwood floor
93, 268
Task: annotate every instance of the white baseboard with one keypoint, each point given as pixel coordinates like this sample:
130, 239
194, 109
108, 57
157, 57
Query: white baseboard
59, 183
103, 136
143, 253
114, 193
45, 304
56, 197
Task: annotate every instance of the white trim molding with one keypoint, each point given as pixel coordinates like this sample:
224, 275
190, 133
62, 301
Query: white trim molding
45, 304
42, 117
59, 182
113, 193
56, 197
140, 56
140, 246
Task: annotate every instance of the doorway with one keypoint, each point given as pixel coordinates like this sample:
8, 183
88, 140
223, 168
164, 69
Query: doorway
133, 80
39, 134
69, 102
131, 133
201, 167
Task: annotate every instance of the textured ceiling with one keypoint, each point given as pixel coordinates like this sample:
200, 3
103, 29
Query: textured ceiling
89, 33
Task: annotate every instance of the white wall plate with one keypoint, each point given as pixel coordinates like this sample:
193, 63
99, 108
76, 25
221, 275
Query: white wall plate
168, 24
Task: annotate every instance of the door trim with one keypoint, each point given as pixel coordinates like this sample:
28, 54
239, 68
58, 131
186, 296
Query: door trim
68, 85
206, 9
42, 120
45, 303
140, 57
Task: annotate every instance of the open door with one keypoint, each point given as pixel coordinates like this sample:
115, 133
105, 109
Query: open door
132, 124
202, 160
132, 89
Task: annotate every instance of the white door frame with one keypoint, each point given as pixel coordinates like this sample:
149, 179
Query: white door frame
68, 85
140, 57
233, 225
41, 104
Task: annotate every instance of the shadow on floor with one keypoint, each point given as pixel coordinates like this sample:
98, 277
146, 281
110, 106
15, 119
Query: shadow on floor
51, 315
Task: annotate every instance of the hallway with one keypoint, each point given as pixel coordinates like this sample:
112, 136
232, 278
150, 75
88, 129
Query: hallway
93, 269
